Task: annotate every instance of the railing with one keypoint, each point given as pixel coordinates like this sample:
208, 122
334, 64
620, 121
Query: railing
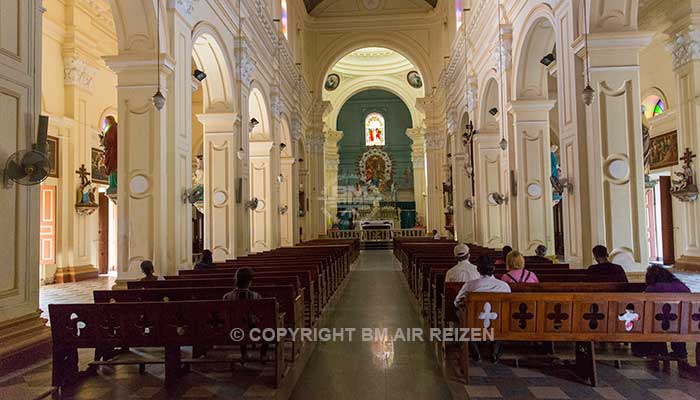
377, 235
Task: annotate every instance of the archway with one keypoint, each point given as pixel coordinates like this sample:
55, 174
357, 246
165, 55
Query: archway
260, 146
533, 112
214, 146
287, 187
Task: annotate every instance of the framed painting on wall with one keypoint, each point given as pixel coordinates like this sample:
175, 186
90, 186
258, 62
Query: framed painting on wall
52, 150
97, 170
664, 150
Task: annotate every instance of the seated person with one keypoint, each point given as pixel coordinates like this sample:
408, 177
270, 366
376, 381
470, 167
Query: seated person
464, 271
487, 283
148, 271
504, 254
205, 262
244, 278
604, 270
661, 280
540, 256
436, 234
515, 264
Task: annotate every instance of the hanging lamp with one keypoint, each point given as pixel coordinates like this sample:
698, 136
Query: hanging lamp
158, 98
503, 144
588, 93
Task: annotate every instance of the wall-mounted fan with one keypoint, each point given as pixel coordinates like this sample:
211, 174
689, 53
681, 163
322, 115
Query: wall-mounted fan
29, 167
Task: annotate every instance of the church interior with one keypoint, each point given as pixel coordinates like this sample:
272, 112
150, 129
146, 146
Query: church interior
176, 173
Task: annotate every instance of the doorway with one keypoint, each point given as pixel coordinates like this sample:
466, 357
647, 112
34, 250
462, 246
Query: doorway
659, 210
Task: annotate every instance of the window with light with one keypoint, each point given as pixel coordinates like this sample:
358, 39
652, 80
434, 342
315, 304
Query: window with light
375, 130
284, 18
458, 12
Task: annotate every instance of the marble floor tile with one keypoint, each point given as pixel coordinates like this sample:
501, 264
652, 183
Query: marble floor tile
672, 394
483, 391
548, 392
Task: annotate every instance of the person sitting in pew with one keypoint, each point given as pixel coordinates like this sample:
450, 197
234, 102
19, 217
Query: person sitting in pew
436, 234
515, 264
604, 270
504, 254
661, 280
487, 283
464, 271
540, 255
244, 278
205, 262
148, 271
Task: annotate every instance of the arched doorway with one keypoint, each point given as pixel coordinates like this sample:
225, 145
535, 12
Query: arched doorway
214, 146
260, 146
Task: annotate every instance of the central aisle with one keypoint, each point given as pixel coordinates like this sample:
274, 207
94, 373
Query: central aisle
375, 297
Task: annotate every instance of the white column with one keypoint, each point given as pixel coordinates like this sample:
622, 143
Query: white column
23, 333
532, 165
317, 206
332, 159
462, 190
686, 62
615, 151
287, 195
261, 188
220, 170
435, 154
419, 177
491, 218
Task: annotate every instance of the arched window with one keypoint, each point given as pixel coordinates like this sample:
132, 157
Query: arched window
375, 130
653, 106
284, 18
458, 13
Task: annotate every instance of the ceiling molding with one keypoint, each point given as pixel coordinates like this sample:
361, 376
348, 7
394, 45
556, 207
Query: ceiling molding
311, 4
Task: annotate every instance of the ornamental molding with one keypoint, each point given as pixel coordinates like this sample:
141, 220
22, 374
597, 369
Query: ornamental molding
471, 94
276, 105
503, 51
184, 7
77, 72
434, 142
246, 65
684, 46
315, 142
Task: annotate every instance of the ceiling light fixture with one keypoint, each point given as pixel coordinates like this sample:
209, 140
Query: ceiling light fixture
588, 92
199, 75
158, 98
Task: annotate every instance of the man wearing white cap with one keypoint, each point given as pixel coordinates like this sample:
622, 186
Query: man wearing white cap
464, 271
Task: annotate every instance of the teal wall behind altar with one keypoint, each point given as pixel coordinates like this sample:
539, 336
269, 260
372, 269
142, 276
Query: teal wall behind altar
351, 121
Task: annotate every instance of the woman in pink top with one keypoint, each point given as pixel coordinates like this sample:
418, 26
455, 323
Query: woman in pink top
516, 272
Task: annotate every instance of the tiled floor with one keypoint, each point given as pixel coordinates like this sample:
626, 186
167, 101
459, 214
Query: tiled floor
375, 297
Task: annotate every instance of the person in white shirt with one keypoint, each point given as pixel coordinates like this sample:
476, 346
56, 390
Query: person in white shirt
464, 271
487, 283
436, 234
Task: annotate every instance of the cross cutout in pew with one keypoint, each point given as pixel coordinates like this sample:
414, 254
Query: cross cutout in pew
145, 325
629, 317
696, 317
214, 321
487, 315
558, 317
180, 324
111, 326
76, 325
523, 316
593, 316
666, 317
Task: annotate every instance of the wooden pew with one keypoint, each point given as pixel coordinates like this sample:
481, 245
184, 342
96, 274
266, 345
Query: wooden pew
167, 325
583, 318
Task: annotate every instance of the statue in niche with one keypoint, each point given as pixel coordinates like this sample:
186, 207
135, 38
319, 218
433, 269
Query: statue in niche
109, 143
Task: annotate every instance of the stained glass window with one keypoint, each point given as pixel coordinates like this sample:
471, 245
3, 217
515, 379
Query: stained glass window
653, 106
375, 130
284, 18
458, 12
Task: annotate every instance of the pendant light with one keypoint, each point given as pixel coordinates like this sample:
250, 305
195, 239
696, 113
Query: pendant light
503, 143
158, 98
588, 92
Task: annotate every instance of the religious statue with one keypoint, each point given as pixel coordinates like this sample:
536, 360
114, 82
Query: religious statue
685, 188
109, 142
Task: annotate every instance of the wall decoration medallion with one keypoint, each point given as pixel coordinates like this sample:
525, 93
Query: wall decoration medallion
332, 82
414, 79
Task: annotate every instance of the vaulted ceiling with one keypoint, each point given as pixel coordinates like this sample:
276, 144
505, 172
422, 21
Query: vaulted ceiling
311, 4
